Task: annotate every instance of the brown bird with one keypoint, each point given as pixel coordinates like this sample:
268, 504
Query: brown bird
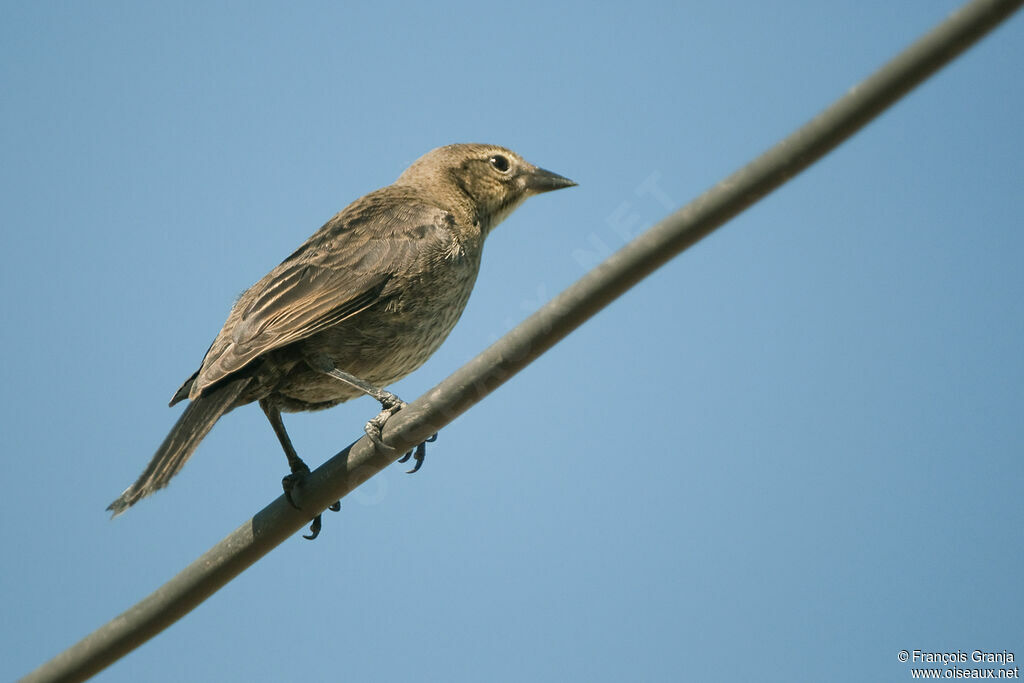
362, 303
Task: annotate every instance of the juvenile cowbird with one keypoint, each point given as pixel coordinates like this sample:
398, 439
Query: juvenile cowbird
362, 303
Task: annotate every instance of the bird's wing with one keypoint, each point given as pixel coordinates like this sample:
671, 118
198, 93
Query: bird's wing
339, 272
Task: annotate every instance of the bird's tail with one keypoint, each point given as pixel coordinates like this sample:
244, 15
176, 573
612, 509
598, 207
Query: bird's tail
194, 424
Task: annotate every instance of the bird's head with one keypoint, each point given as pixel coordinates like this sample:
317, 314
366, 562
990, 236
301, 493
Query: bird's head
493, 179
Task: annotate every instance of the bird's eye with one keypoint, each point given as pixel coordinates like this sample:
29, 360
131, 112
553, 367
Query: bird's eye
500, 163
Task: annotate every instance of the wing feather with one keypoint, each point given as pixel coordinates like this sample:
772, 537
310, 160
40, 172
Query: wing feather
342, 270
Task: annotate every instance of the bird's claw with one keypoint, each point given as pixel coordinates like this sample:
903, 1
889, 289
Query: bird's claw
420, 454
289, 483
314, 528
391, 404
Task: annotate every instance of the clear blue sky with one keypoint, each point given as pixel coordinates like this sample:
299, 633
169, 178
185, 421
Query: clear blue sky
788, 455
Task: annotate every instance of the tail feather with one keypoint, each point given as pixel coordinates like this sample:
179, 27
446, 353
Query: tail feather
194, 424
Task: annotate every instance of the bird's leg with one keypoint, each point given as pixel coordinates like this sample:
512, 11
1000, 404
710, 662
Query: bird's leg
295, 464
390, 404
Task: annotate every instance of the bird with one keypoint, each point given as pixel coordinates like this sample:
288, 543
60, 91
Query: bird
362, 303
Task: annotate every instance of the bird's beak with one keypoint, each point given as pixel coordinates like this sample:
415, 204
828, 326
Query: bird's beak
540, 180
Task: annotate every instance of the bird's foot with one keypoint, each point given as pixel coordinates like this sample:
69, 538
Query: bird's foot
289, 483
420, 453
292, 481
390, 404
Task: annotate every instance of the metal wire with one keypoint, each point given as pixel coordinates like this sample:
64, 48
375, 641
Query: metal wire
471, 383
